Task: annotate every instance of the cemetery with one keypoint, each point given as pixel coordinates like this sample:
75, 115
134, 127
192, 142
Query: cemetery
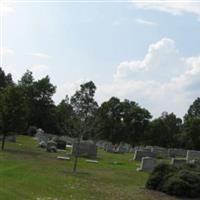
98, 170
81, 150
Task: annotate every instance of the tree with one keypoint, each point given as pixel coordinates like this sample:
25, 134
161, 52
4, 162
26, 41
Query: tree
41, 110
5, 80
65, 115
193, 111
136, 121
109, 121
84, 107
191, 133
122, 121
164, 131
13, 118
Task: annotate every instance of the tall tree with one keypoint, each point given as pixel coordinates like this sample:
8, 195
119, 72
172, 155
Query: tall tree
191, 134
65, 115
5, 80
84, 106
41, 110
164, 131
122, 121
12, 111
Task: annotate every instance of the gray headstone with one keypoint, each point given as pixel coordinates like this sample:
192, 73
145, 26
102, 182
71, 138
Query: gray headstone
193, 155
160, 152
51, 146
86, 148
174, 153
43, 144
148, 164
178, 161
108, 147
139, 154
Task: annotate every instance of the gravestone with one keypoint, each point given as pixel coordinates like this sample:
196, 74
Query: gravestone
63, 158
86, 148
193, 155
122, 149
139, 154
160, 152
174, 153
148, 164
108, 147
100, 144
43, 144
51, 146
41, 136
178, 161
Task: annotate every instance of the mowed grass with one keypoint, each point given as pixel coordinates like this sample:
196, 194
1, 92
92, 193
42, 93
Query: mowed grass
30, 173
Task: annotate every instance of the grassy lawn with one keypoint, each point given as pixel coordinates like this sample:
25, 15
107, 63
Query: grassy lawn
29, 173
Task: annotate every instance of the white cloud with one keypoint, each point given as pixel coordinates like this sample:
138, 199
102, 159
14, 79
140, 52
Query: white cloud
145, 22
175, 8
6, 51
163, 53
40, 55
163, 80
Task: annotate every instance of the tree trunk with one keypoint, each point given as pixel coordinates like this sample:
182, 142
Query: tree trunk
77, 153
3, 141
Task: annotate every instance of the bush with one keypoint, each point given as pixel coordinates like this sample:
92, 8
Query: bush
182, 182
60, 144
159, 175
32, 130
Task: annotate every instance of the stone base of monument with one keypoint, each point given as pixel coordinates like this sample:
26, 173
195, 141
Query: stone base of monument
178, 161
63, 158
92, 161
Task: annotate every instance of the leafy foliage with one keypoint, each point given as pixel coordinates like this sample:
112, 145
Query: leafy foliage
30, 103
183, 181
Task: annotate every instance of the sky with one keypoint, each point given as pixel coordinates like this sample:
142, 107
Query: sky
144, 51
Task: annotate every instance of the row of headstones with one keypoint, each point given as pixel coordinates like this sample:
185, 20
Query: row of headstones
48, 141
159, 152
148, 163
109, 147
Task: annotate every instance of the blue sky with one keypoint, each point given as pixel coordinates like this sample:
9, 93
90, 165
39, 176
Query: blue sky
145, 52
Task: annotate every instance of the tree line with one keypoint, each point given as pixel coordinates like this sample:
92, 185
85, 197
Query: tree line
28, 104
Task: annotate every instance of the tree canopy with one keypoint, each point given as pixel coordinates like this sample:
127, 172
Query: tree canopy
29, 103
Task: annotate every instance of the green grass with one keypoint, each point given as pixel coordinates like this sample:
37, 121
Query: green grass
29, 173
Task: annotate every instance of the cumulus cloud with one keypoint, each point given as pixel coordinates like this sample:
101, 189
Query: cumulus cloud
175, 8
145, 22
163, 80
162, 53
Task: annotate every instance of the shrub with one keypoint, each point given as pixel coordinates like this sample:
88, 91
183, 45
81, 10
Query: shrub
183, 181
32, 130
60, 144
159, 175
